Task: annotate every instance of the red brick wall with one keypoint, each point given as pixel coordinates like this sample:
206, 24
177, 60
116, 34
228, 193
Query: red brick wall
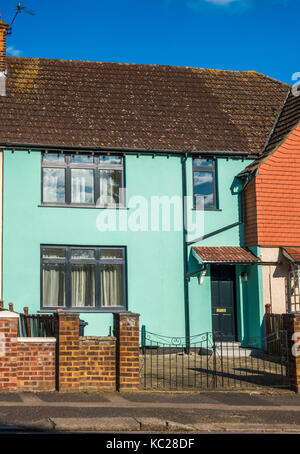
87, 362
274, 196
8, 353
71, 363
291, 323
97, 362
36, 366
126, 330
28, 366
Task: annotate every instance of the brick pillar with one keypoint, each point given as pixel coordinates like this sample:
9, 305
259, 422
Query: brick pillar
291, 323
126, 330
8, 351
67, 370
3, 30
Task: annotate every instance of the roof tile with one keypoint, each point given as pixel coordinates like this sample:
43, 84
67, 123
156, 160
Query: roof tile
225, 254
73, 103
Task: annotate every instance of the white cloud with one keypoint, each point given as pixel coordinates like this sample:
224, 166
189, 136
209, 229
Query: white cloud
14, 52
220, 2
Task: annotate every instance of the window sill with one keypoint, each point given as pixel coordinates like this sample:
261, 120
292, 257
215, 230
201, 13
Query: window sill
86, 310
206, 209
50, 205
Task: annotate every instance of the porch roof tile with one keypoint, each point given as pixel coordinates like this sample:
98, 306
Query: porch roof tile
293, 252
225, 254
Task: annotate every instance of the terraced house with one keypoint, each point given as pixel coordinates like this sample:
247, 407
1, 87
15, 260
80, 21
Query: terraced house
97, 158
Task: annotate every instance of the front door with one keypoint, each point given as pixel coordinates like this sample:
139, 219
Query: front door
223, 302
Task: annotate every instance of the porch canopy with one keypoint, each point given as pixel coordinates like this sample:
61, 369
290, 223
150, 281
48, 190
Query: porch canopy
292, 254
224, 254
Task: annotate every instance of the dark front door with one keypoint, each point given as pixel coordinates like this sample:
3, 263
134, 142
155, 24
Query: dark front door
223, 302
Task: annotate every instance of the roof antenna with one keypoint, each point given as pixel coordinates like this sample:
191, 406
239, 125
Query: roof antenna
20, 8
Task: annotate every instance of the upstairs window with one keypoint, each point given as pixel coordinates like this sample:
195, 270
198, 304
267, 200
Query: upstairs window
89, 278
204, 184
82, 180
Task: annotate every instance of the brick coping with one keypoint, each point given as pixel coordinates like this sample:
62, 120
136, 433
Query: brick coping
37, 339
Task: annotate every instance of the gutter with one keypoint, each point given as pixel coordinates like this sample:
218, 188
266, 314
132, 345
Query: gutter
134, 151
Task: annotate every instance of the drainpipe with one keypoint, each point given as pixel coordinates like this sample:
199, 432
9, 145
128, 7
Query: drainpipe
185, 251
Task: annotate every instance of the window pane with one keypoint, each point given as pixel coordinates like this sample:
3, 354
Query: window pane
83, 254
53, 158
110, 184
203, 186
54, 278
110, 159
82, 186
112, 285
54, 253
111, 253
83, 286
54, 185
82, 159
203, 163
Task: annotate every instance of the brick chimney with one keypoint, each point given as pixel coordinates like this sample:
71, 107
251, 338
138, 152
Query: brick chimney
3, 30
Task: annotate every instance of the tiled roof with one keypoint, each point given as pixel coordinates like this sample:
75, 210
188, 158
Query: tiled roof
287, 121
225, 255
272, 198
73, 103
293, 252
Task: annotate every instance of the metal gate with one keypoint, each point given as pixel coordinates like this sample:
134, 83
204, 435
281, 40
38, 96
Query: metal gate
200, 362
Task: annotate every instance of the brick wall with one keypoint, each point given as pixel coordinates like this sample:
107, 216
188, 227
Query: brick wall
291, 323
24, 366
86, 362
8, 351
36, 364
69, 362
126, 331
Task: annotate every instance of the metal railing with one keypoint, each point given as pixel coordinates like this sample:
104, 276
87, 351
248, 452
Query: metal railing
173, 363
36, 326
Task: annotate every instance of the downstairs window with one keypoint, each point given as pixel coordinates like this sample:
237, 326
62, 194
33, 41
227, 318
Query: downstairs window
91, 278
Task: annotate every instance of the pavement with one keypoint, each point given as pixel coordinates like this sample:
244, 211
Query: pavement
151, 412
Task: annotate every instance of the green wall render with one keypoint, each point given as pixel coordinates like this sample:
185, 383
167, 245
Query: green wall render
155, 280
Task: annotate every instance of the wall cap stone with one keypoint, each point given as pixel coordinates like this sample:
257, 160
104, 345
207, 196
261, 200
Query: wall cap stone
37, 339
9, 314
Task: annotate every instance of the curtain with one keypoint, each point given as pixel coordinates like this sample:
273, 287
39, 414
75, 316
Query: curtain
110, 183
112, 285
53, 285
83, 285
82, 186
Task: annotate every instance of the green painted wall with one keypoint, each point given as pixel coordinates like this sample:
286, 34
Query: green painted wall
154, 259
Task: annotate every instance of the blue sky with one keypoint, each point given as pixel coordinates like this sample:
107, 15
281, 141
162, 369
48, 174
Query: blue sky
259, 35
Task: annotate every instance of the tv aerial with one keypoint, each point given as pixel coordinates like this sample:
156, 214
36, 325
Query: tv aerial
20, 8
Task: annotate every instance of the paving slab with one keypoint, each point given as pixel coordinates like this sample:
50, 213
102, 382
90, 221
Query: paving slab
246, 428
10, 397
72, 397
154, 424
161, 397
239, 399
95, 424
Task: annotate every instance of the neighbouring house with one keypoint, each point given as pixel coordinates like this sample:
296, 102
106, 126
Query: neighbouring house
98, 160
272, 203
